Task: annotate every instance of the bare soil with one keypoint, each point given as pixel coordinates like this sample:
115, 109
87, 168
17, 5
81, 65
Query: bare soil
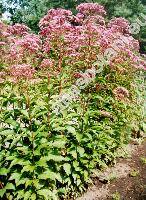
129, 186
132, 188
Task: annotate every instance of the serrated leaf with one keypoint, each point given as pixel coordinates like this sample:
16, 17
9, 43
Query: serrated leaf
67, 168
42, 162
15, 140
28, 168
37, 184
10, 186
21, 181
78, 137
56, 158
15, 176
73, 153
28, 183
78, 182
20, 194
48, 174
15, 162
27, 195
47, 194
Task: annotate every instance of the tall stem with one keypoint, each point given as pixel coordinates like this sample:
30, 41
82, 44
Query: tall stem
49, 99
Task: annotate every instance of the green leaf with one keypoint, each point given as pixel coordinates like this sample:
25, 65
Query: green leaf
42, 162
73, 153
53, 157
27, 195
7, 132
28, 183
12, 122
33, 196
25, 113
16, 161
58, 144
48, 174
56, 158
81, 151
15, 176
47, 194
10, 186
21, 181
71, 129
15, 140
28, 168
2, 192
20, 194
4, 171
67, 168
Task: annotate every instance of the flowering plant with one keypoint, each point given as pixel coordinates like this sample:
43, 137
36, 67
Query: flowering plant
60, 117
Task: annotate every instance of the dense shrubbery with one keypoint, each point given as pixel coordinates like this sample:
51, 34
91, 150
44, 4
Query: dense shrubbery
49, 151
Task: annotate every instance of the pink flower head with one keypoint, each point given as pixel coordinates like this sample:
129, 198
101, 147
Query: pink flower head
30, 42
119, 24
55, 17
2, 43
77, 20
121, 93
78, 75
47, 63
91, 9
18, 29
22, 71
95, 20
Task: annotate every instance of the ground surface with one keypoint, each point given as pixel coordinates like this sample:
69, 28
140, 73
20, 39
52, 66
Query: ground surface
126, 180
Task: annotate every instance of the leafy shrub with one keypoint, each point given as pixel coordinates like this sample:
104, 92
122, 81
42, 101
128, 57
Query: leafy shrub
49, 149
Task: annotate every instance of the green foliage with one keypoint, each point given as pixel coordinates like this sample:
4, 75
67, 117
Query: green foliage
116, 196
134, 173
143, 160
47, 158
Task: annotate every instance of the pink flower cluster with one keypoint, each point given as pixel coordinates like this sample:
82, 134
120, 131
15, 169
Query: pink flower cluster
119, 24
56, 21
23, 71
30, 42
18, 29
21, 47
69, 38
121, 93
91, 9
47, 63
55, 14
